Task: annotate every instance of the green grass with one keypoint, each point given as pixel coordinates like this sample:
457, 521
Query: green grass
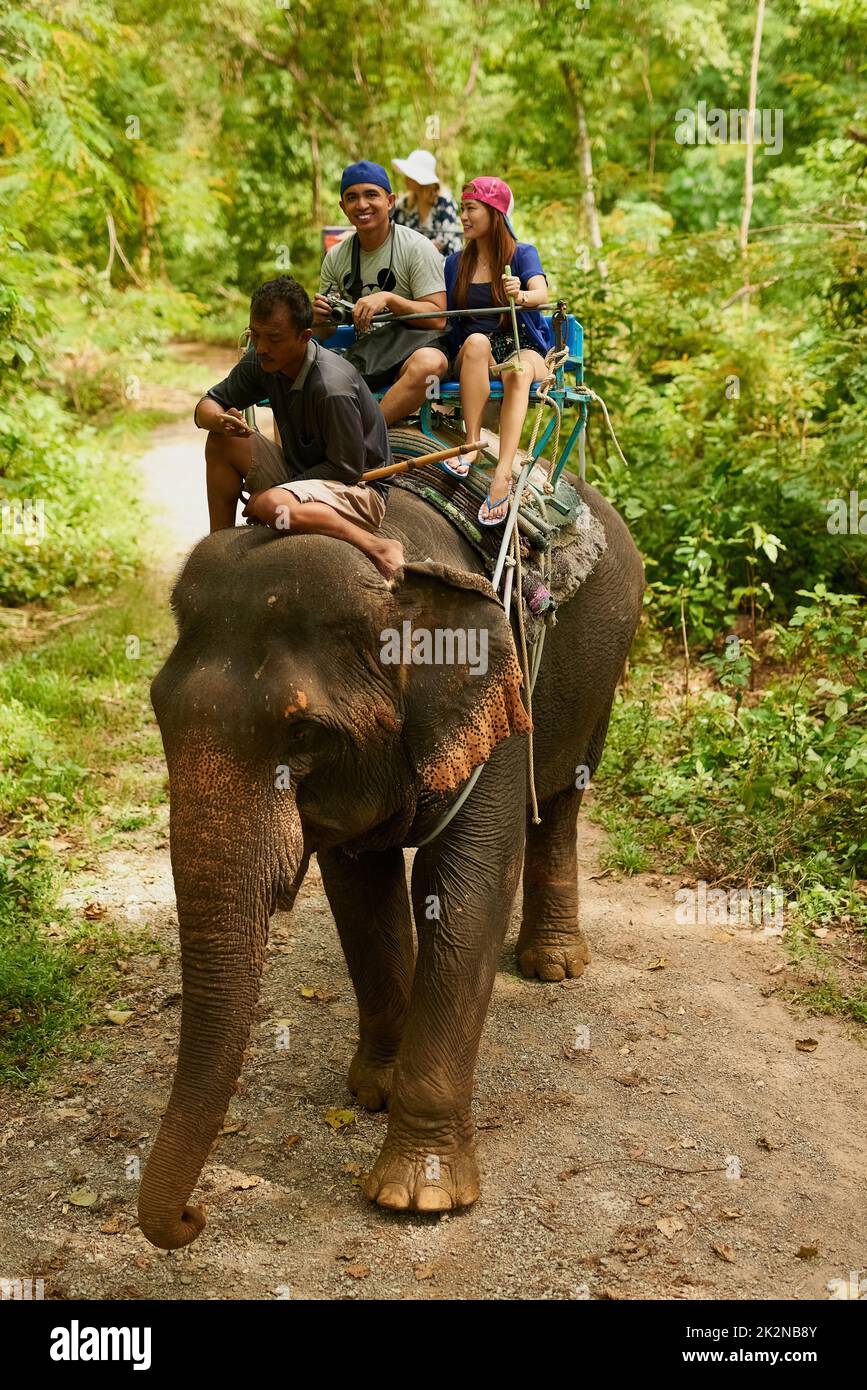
82, 760
625, 851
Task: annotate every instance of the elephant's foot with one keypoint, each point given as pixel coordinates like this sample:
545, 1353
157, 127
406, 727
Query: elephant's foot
424, 1168
552, 953
370, 1080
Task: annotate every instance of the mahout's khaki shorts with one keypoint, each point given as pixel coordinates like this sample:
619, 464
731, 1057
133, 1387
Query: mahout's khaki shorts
359, 503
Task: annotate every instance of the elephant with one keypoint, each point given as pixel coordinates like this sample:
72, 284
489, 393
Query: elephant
287, 734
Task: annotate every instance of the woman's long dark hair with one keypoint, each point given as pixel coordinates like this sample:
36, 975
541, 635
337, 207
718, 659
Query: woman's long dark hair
502, 245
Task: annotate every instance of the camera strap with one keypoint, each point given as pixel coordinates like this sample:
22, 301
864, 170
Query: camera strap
355, 286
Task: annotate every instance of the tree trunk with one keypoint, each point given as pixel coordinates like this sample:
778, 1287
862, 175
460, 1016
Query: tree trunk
584, 156
748, 167
316, 177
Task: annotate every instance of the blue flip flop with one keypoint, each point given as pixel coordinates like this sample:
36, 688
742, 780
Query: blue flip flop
458, 467
490, 505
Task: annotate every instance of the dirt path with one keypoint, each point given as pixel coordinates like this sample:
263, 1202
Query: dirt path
603, 1166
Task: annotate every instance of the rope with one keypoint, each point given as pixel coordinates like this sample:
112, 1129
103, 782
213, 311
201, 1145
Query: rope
591, 395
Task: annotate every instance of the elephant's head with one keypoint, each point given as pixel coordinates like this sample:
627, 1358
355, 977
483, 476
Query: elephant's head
302, 706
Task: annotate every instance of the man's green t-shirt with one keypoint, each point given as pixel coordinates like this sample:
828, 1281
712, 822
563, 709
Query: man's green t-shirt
406, 263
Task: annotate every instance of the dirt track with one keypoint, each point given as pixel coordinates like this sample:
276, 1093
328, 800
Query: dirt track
603, 1168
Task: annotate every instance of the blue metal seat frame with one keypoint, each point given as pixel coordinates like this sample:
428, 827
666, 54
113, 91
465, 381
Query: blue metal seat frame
566, 391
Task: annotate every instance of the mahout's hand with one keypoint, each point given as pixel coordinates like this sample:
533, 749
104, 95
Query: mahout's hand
234, 424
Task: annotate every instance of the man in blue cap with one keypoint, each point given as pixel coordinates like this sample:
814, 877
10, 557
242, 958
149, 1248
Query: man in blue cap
386, 268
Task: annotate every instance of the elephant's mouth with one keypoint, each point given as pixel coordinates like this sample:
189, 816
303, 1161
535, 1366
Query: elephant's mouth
325, 832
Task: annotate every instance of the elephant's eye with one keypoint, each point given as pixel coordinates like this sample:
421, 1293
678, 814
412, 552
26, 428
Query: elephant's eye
302, 736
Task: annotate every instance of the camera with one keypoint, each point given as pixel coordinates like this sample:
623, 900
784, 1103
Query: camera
341, 309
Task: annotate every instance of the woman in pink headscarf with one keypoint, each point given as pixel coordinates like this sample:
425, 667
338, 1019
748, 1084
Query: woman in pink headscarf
476, 279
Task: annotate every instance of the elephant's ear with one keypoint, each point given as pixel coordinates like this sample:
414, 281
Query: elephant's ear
456, 711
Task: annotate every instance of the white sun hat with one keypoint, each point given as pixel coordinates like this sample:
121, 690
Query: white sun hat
420, 166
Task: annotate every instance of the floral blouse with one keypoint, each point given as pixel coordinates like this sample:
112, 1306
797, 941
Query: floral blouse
442, 226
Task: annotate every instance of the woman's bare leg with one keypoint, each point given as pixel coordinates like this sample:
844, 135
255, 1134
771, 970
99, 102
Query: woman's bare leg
474, 363
516, 393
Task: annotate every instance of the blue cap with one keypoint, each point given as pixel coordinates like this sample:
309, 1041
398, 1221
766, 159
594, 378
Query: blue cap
364, 172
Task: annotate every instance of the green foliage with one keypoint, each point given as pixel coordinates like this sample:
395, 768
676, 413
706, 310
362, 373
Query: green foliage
768, 785
70, 515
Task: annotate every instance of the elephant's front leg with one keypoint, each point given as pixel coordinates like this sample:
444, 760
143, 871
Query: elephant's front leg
368, 898
463, 885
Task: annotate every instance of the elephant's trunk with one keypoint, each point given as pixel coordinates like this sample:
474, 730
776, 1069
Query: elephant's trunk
236, 843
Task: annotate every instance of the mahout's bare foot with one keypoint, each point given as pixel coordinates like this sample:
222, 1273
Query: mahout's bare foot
387, 555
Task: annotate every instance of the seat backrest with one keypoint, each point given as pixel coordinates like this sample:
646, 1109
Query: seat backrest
342, 338
574, 338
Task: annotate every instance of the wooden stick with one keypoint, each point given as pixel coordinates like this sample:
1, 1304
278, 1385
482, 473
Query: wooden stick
406, 464
507, 270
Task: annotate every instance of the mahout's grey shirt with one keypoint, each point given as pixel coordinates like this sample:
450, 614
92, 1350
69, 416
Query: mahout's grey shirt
330, 425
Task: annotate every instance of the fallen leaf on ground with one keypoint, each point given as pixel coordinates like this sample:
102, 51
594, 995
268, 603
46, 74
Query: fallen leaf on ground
806, 1044
730, 1214
112, 1227
354, 1169
291, 1140
357, 1271
82, 1197
91, 912
808, 1252
339, 1119
644, 1201
724, 1251
118, 1016
659, 964
315, 992
670, 1225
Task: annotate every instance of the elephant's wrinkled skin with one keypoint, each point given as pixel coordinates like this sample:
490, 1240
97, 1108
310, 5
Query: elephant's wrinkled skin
286, 734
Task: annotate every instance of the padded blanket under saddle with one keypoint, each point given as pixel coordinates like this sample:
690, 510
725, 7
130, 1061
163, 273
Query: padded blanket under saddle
569, 541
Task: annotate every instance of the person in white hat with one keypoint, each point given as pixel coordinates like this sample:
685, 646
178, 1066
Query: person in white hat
427, 206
